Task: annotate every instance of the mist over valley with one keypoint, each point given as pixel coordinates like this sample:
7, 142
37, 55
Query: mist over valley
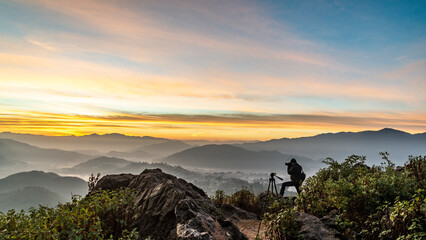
211, 167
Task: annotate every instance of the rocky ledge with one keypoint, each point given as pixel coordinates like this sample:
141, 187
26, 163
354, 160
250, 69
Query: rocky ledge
170, 208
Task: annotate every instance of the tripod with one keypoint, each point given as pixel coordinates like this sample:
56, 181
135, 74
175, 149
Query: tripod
271, 186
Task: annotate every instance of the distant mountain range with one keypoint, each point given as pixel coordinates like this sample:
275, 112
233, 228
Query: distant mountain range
63, 186
254, 156
165, 148
26, 197
13, 152
102, 165
340, 145
152, 151
235, 158
102, 143
135, 155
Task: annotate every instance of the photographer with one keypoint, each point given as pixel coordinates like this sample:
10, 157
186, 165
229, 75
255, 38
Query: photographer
297, 176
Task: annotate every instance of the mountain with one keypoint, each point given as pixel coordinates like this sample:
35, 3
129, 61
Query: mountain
340, 145
5, 162
102, 165
64, 186
134, 155
35, 157
138, 167
165, 148
27, 197
236, 158
102, 143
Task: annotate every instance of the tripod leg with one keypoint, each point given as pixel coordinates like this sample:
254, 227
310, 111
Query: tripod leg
270, 187
276, 191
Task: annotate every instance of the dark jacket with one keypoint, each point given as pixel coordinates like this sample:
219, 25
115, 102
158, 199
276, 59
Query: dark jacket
295, 173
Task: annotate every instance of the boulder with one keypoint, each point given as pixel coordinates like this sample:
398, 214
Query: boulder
113, 182
315, 229
235, 214
170, 208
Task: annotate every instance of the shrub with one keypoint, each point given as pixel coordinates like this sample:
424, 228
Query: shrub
100, 215
244, 199
219, 197
280, 220
374, 202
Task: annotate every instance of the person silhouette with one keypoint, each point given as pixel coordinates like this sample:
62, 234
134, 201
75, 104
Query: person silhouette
297, 176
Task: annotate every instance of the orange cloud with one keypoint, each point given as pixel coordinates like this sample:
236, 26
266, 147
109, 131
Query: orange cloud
212, 127
212, 59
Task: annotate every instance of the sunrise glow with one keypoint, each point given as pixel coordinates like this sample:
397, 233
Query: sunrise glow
214, 70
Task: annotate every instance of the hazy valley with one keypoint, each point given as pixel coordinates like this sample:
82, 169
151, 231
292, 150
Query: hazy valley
211, 167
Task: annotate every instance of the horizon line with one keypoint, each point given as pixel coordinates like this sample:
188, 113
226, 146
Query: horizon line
218, 140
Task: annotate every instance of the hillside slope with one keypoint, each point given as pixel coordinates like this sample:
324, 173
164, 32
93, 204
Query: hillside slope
165, 148
102, 143
11, 150
235, 158
340, 145
27, 197
64, 186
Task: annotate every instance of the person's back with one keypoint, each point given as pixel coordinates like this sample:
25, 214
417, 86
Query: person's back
296, 173
297, 176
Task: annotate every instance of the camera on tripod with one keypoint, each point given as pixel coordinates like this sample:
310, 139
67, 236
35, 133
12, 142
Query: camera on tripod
275, 175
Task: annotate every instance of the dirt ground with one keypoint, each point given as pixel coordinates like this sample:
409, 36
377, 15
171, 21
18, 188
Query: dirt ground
249, 228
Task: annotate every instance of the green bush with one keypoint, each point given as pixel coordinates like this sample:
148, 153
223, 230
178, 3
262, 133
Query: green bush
376, 202
100, 215
244, 199
280, 220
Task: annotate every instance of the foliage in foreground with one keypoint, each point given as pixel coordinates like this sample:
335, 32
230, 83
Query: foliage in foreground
378, 202
244, 199
280, 220
100, 215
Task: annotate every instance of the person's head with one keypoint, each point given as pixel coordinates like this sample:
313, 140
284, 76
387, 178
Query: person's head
292, 162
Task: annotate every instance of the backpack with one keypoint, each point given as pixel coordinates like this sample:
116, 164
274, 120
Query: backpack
301, 177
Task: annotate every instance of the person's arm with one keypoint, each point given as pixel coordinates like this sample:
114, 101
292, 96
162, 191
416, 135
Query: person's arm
296, 169
289, 170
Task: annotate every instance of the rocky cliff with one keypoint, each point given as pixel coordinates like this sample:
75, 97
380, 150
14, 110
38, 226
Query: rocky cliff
170, 208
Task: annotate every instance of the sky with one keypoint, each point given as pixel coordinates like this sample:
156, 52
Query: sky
214, 70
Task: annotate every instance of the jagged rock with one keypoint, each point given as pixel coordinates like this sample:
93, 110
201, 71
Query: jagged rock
235, 214
170, 208
112, 182
313, 229
330, 219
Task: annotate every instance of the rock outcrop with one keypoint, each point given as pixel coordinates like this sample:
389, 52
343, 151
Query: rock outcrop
170, 208
234, 214
314, 228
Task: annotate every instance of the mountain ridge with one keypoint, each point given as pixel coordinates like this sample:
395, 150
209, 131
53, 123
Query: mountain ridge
63, 185
225, 156
12, 150
339, 145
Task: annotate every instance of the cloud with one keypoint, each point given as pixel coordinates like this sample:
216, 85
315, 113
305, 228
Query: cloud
237, 126
185, 64
246, 32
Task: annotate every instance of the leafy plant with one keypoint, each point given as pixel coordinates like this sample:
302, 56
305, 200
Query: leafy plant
244, 199
375, 202
93, 181
100, 215
280, 220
